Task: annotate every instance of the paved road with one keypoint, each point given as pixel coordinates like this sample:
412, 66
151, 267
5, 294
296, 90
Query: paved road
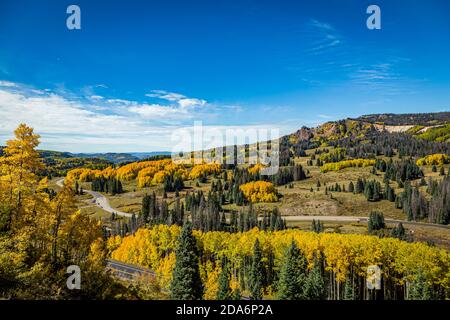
100, 201
127, 271
362, 219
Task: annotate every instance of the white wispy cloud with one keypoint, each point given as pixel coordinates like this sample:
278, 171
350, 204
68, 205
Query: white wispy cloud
323, 37
7, 84
180, 99
97, 124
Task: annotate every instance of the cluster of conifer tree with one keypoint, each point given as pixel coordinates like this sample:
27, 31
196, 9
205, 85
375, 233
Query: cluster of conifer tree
416, 206
399, 171
173, 183
371, 189
111, 185
206, 215
157, 212
122, 227
285, 175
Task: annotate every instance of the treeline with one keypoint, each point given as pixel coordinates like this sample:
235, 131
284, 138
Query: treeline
111, 185
55, 166
285, 175
205, 214
399, 171
371, 189
431, 118
417, 207
385, 143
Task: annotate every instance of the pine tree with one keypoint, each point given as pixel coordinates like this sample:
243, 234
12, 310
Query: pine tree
314, 288
376, 221
257, 273
186, 283
420, 289
292, 274
349, 290
224, 291
399, 232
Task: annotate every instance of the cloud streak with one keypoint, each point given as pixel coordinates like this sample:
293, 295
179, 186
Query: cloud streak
95, 123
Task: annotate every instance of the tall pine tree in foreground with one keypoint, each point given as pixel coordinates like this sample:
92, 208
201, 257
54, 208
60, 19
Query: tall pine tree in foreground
292, 274
256, 273
186, 283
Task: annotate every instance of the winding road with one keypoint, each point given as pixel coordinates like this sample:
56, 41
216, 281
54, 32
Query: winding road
100, 201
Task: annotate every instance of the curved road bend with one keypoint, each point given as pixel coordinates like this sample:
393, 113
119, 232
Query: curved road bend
100, 201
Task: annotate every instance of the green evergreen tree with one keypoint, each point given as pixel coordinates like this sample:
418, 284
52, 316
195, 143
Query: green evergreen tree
224, 291
376, 221
186, 283
351, 187
314, 288
292, 274
349, 290
399, 232
420, 288
257, 273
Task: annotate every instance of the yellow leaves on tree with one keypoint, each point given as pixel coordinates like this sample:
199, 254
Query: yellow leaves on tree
256, 168
434, 159
154, 175
399, 260
204, 169
130, 171
49, 228
146, 173
259, 191
151, 248
18, 169
336, 166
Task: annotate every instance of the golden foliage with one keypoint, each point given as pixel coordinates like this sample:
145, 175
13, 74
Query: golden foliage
400, 260
45, 232
259, 191
434, 159
146, 173
336, 166
204, 169
256, 168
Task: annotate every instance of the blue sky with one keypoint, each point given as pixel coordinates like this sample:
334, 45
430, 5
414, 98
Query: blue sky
137, 70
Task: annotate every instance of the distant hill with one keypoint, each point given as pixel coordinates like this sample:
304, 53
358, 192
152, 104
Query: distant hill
429, 126
422, 119
109, 156
145, 155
